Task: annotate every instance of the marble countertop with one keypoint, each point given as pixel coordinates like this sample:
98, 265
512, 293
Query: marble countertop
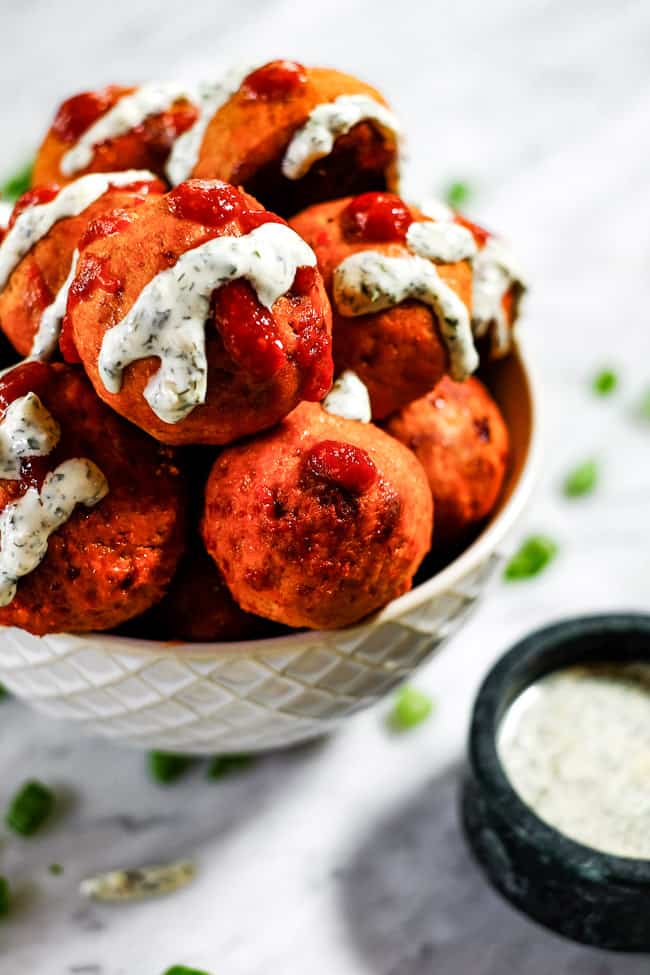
346, 856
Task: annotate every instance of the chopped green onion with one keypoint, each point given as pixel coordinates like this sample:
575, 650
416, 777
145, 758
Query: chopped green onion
225, 764
4, 693
410, 709
55, 869
533, 556
5, 897
645, 406
167, 766
581, 480
29, 808
17, 184
457, 195
604, 382
184, 970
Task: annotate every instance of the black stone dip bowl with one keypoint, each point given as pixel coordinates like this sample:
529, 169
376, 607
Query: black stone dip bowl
587, 895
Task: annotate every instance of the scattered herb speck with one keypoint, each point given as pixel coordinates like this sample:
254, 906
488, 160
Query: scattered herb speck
532, 558
581, 480
411, 708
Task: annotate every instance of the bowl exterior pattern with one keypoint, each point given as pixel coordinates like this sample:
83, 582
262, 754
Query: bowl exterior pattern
225, 699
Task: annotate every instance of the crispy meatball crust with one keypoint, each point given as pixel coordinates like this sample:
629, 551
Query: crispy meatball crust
35, 282
145, 147
459, 436
399, 353
303, 550
199, 608
237, 403
111, 562
246, 140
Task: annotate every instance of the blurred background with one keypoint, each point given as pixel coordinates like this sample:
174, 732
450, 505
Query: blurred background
347, 856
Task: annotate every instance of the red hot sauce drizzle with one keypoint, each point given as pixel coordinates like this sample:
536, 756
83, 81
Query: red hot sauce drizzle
342, 464
376, 217
276, 80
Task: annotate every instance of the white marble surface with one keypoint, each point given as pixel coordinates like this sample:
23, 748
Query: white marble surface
347, 857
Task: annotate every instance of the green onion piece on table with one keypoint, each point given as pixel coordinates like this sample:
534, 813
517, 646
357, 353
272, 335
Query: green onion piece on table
581, 480
410, 709
457, 195
5, 897
17, 184
532, 557
225, 764
605, 382
166, 767
29, 808
184, 970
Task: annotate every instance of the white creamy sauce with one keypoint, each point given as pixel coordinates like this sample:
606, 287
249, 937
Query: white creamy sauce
349, 398
168, 319
210, 96
36, 221
494, 273
26, 430
370, 281
315, 139
127, 113
435, 208
5, 214
576, 748
26, 524
441, 241
46, 337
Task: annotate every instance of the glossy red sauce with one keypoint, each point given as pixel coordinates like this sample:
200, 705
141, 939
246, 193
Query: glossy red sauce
343, 464
78, 113
104, 225
481, 236
313, 350
28, 377
277, 79
206, 201
248, 330
251, 219
32, 198
376, 217
92, 274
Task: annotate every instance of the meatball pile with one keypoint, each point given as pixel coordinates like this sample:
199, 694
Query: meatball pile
240, 395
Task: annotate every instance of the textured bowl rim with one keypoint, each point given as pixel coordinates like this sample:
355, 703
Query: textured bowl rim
483, 546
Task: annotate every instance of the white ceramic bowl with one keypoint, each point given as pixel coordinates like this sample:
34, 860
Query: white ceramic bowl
262, 694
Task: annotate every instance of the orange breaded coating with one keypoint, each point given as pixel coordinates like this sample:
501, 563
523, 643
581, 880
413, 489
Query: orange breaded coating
319, 522
146, 146
246, 140
106, 563
260, 361
399, 351
198, 607
37, 279
459, 436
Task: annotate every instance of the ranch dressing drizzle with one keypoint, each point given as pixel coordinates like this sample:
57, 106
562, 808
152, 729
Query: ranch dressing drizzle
495, 272
37, 221
5, 214
349, 398
441, 241
49, 328
315, 139
370, 281
26, 430
26, 524
169, 316
211, 97
127, 113
576, 748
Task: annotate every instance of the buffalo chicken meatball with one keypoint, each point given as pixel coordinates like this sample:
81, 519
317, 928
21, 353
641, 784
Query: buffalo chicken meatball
293, 136
400, 285
37, 253
114, 128
201, 318
319, 522
91, 510
459, 436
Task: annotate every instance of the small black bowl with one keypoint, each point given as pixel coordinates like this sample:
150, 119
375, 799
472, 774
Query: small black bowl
589, 896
